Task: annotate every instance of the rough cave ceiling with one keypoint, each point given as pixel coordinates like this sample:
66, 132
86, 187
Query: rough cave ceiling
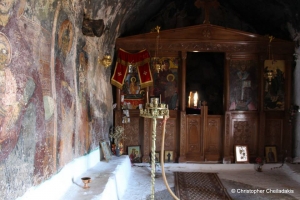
279, 18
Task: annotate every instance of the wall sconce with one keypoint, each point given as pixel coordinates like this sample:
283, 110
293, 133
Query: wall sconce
106, 60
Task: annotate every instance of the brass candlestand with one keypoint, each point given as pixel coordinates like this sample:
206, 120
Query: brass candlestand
154, 110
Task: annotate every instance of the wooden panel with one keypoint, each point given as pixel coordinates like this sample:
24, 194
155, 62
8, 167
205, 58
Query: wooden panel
227, 136
118, 118
170, 136
182, 138
213, 139
193, 145
131, 133
204, 38
274, 126
146, 135
131, 129
243, 129
273, 132
244, 132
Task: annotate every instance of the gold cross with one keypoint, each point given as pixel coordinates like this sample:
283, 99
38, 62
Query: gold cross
206, 4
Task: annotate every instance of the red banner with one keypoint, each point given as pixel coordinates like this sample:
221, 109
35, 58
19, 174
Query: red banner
145, 75
119, 75
140, 60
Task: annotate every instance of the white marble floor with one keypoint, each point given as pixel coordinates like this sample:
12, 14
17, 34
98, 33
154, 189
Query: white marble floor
271, 181
118, 179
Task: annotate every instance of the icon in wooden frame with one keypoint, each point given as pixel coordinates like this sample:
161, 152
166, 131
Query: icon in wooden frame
271, 154
105, 150
169, 156
134, 153
241, 153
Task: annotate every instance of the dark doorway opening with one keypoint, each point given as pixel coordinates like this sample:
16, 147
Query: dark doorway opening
205, 74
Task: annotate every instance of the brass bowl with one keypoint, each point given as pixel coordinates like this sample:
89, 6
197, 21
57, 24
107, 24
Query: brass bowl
86, 181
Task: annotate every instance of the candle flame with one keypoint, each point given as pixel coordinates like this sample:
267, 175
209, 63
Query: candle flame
195, 99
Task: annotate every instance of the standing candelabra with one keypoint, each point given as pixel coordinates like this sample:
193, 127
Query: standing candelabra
154, 110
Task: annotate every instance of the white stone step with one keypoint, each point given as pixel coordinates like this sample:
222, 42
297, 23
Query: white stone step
108, 180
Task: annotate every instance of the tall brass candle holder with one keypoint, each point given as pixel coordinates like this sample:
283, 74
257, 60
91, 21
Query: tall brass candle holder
154, 110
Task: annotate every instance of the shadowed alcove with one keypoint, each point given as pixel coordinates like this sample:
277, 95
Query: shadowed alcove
205, 74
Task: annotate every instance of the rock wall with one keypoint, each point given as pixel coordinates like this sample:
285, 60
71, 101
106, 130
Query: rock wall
55, 97
296, 118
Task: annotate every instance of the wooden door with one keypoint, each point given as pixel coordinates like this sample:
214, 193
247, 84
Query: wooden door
213, 138
194, 141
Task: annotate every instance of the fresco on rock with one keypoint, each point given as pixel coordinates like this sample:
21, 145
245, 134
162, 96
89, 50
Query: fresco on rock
38, 39
65, 90
22, 132
83, 140
46, 117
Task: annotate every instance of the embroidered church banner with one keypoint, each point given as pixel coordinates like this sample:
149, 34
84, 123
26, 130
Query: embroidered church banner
140, 60
120, 71
145, 75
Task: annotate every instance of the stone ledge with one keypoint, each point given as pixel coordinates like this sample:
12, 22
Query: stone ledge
109, 180
58, 184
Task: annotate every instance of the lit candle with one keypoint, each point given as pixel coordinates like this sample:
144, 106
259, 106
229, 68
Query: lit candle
195, 99
190, 99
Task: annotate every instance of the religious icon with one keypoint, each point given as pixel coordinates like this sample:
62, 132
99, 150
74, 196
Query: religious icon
241, 154
243, 85
271, 154
169, 156
134, 153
